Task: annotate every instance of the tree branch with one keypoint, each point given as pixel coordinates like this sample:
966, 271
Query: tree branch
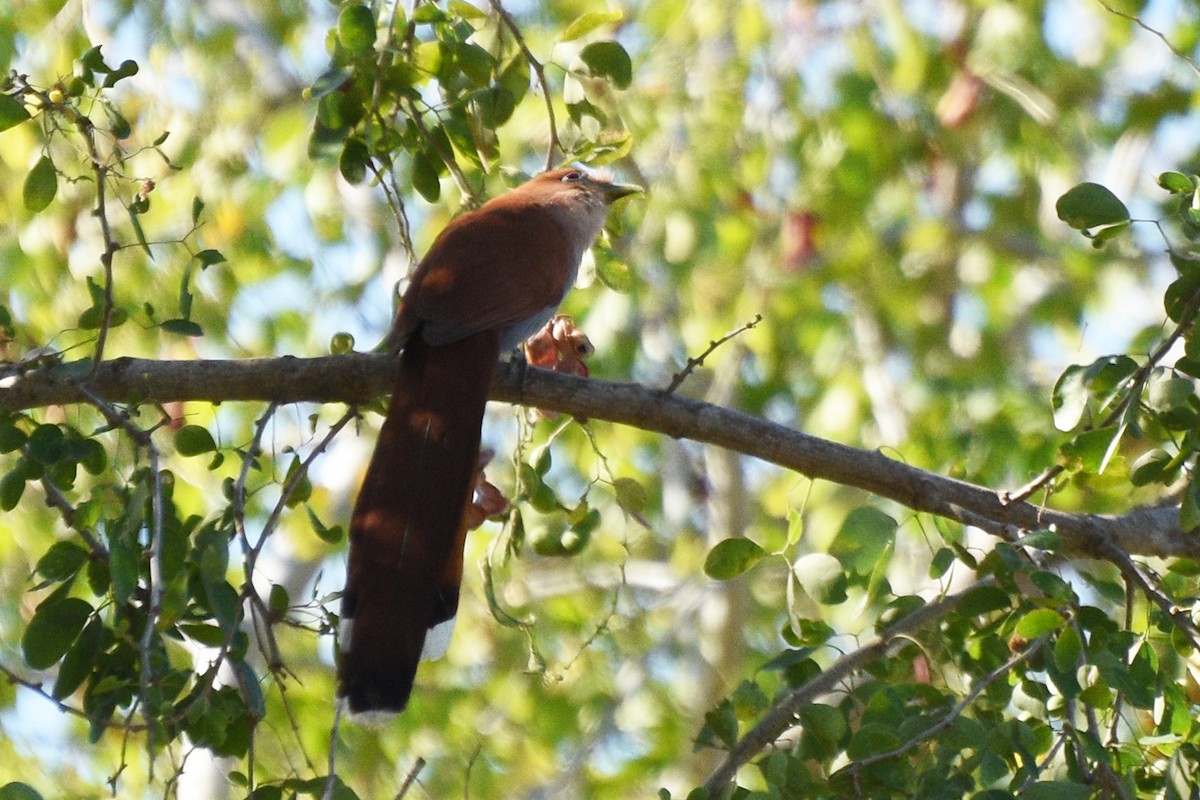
359, 377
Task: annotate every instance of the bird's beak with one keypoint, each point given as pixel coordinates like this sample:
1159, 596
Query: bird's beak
615, 191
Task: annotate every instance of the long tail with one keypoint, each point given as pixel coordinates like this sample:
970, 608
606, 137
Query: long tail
407, 531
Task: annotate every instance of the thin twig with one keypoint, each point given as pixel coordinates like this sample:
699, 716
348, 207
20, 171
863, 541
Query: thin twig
331, 778
1186, 319
144, 439
56, 499
1133, 573
945, 722
783, 714
697, 361
411, 777
1137, 21
67, 708
540, 72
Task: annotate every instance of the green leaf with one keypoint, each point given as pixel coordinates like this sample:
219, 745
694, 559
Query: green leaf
1176, 183
1067, 649
181, 327
465, 10
824, 721
12, 486
983, 600
14, 790
52, 631
427, 14
1149, 467
608, 59
354, 159
1105, 235
631, 495
46, 444
1041, 540
475, 62
136, 223
611, 270
589, 22
80, 660
866, 536
209, 257
194, 440
356, 29
870, 739
1039, 622
731, 558
127, 69
12, 112
324, 533
942, 560
823, 578
41, 184
1090, 205
118, 126
62, 561
11, 437
425, 175
1092, 449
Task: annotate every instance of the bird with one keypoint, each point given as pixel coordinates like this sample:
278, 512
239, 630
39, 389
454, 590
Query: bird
491, 279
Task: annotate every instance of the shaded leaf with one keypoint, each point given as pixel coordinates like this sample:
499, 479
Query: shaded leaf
608, 59
53, 629
18, 791
127, 69
182, 327
731, 558
1090, 205
194, 440
12, 112
41, 184
62, 561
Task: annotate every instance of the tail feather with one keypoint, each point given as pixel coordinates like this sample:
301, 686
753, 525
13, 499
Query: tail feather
408, 528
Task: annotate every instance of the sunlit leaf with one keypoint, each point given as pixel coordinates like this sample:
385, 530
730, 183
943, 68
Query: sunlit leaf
1039, 622
588, 22
356, 29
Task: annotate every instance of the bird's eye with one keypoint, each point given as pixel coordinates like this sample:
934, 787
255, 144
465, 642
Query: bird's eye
573, 176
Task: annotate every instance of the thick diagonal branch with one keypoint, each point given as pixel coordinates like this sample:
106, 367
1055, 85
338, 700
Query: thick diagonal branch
356, 378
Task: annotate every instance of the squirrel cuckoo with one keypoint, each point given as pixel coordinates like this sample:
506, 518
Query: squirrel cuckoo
492, 278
